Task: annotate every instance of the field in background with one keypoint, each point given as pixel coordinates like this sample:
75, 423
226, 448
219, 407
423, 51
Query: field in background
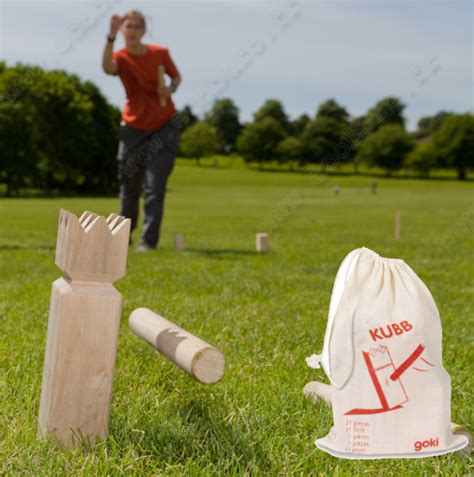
236, 162
265, 312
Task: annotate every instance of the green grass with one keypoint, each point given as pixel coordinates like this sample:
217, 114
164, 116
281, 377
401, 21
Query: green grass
265, 312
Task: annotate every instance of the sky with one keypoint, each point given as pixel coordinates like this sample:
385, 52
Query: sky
301, 52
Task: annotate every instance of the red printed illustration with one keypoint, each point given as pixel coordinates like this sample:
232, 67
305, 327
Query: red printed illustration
385, 377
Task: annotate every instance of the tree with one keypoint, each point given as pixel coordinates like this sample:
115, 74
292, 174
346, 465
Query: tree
74, 130
17, 158
102, 136
78, 141
430, 124
258, 140
187, 117
454, 143
297, 125
386, 111
422, 158
356, 132
15, 81
273, 108
224, 116
323, 137
290, 150
386, 148
62, 137
199, 140
330, 109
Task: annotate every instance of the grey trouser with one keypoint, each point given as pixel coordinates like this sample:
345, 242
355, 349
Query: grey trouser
146, 158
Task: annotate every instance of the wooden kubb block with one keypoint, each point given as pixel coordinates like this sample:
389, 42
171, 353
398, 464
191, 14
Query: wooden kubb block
83, 327
179, 243
261, 242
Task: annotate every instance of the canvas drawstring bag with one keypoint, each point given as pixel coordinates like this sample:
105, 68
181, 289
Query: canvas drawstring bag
391, 396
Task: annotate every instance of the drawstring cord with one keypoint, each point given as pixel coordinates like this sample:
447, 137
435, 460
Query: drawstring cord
314, 361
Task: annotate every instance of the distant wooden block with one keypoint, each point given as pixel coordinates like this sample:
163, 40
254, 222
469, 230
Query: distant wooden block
179, 244
83, 327
262, 242
398, 225
193, 355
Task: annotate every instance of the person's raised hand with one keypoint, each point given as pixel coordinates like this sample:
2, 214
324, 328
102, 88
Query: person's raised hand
115, 23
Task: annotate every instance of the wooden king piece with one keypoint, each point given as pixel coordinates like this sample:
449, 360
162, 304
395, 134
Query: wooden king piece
83, 327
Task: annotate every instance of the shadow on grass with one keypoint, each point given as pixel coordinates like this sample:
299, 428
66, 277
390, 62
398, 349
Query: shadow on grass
41, 248
197, 430
222, 253
303, 172
11, 247
369, 174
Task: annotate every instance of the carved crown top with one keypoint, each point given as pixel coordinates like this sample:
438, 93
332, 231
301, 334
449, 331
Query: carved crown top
92, 248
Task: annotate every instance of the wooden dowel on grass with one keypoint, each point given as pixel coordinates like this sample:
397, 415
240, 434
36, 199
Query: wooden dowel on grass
161, 83
193, 355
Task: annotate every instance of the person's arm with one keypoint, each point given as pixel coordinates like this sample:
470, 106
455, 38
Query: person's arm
175, 82
108, 64
173, 73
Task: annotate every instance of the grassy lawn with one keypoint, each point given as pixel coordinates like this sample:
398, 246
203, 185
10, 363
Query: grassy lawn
265, 312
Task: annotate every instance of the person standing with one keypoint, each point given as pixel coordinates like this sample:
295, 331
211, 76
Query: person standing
149, 131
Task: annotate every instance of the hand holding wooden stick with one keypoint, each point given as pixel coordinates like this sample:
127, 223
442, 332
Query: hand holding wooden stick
161, 84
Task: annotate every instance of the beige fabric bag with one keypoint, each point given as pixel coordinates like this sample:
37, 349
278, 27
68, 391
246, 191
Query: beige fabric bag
391, 396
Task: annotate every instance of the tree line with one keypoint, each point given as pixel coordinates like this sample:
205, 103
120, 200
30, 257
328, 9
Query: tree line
56, 132
60, 133
332, 137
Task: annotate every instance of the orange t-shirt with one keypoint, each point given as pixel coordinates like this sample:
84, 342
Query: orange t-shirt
139, 75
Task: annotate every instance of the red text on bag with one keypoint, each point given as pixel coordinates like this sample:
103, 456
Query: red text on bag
390, 330
428, 443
